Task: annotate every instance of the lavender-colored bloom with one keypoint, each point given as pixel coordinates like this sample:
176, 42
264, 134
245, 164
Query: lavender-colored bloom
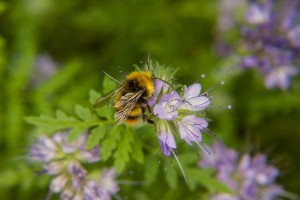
62, 159
159, 87
43, 150
193, 100
166, 140
44, 68
280, 77
257, 14
167, 106
271, 40
104, 188
78, 174
189, 128
250, 178
58, 183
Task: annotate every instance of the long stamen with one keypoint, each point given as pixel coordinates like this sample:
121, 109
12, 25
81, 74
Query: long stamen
180, 166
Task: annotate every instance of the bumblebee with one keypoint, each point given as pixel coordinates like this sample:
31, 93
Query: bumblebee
130, 98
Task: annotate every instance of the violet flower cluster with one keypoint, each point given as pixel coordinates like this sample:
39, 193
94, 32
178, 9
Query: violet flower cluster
64, 161
271, 40
250, 178
179, 114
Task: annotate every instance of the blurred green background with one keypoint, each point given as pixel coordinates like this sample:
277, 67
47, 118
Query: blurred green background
53, 52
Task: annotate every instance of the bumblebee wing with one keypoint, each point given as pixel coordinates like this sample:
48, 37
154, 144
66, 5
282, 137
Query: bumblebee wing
107, 98
127, 103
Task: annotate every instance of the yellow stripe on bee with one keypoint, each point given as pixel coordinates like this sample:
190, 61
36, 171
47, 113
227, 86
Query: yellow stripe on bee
145, 81
136, 111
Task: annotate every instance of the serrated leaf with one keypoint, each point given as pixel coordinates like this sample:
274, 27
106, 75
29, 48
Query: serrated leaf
96, 135
171, 177
61, 115
75, 133
137, 151
108, 84
106, 112
151, 170
124, 149
110, 142
84, 113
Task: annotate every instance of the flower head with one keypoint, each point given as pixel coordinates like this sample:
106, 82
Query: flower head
271, 41
179, 113
166, 140
248, 177
167, 106
63, 160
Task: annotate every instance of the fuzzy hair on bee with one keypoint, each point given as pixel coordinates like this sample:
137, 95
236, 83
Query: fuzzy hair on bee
130, 98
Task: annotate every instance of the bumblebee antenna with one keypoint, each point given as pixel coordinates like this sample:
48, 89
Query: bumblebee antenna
111, 77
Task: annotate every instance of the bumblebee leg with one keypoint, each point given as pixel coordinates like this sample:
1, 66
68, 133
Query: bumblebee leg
145, 118
149, 109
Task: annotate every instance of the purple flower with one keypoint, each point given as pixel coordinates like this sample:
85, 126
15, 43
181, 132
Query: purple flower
270, 40
43, 150
62, 159
280, 77
167, 106
250, 178
166, 140
159, 87
102, 189
257, 14
193, 100
44, 68
189, 128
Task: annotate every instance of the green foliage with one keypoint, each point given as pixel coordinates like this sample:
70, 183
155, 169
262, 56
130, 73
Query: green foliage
85, 38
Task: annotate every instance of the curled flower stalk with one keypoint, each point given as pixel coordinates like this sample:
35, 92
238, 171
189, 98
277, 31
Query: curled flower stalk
249, 177
65, 161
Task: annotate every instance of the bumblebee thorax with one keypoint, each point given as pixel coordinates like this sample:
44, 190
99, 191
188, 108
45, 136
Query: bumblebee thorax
141, 80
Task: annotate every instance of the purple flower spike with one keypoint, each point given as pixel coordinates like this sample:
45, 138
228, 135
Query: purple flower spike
166, 140
167, 106
249, 178
189, 128
192, 100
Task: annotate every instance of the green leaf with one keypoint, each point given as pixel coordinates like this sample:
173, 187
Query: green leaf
96, 135
124, 150
93, 96
206, 178
151, 170
61, 115
84, 113
137, 151
171, 177
106, 112
110, 142
108, 84
75, 133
